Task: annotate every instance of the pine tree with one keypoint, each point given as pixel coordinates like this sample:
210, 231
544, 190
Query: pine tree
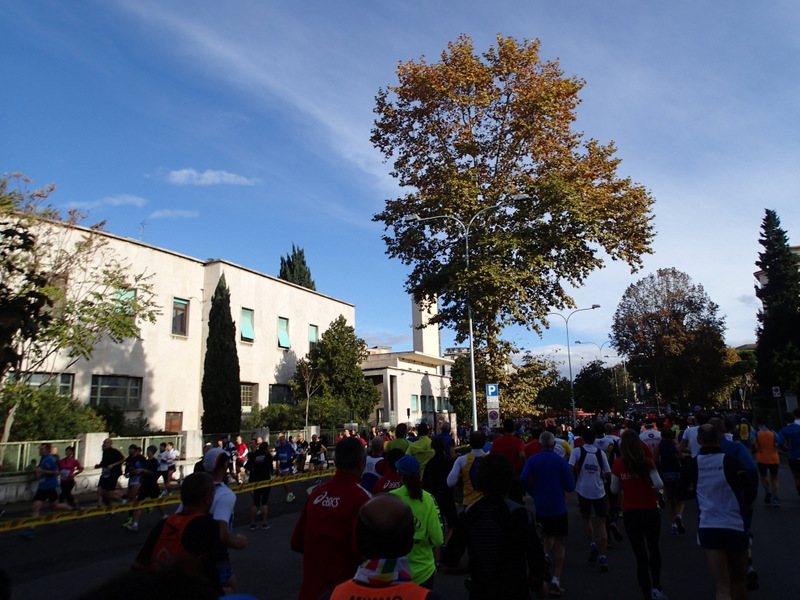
778, 334
295, 270
222, 408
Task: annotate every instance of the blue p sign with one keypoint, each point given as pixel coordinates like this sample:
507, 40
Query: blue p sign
492, 389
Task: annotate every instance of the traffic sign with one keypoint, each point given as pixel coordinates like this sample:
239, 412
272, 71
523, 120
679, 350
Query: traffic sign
494, 418
492, 389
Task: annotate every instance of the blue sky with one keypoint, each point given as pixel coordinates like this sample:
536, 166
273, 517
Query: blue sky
233, 129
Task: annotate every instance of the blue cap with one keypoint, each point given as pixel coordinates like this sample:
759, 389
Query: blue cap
408, 465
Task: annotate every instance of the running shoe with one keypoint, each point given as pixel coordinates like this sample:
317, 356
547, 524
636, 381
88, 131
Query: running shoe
128, 521
594, 554
554, 590
265, 525
603, 564
290, 497
252, 526
752, 578
673, 529
679, 524
133, 527
775, 501
659, 595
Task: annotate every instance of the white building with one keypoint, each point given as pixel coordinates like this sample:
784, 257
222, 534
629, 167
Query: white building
413, 385
160, 375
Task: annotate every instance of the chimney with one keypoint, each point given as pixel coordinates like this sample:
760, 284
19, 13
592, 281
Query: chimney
426, 339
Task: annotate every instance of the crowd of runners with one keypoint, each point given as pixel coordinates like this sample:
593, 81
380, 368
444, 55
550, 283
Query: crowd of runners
466, 503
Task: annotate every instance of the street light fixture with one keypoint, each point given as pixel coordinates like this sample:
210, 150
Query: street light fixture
569, 357
415, 218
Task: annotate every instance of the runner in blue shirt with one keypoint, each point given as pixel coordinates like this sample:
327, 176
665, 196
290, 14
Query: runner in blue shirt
48, 486
284, 456
789, 440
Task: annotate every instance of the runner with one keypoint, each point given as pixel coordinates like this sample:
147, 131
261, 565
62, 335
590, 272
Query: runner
316, 450
134, 469
69, 467
764, 444
724, 491
429, 529
636, 476
789, 439
111, 465
591, 469
284, 456
548, 478
259, 468
149, 486
47, 471
328, 522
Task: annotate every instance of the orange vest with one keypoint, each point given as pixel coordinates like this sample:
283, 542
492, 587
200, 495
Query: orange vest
169, 546
350, 590
766, 452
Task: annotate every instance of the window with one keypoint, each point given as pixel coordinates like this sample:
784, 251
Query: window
247, 393
283, 333
439, 403
279, 394
313, 335
414, 405
180, 314
173, 422
63, 382
248, 332
116, 390
124, 298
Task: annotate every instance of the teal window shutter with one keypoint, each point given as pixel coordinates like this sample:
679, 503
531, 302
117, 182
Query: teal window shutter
248, 332
283, 333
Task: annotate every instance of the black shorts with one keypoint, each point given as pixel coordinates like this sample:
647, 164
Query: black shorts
598, 505
108, 483
261, 496
557, 526
763, 469
716, 538
46, 495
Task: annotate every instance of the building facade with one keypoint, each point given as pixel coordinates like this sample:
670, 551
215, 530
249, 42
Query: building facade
159, 376
414, 385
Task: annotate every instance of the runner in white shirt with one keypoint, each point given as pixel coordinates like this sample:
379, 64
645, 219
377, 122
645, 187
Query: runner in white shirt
591, 470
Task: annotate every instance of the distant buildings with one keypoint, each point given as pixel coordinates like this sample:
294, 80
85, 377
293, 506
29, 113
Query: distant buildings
159, 376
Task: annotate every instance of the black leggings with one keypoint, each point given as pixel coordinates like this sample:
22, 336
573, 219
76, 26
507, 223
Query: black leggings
644, 527
66, 491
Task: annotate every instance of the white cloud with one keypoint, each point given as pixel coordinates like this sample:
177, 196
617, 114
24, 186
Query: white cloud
208, 177
174, 214
120, 200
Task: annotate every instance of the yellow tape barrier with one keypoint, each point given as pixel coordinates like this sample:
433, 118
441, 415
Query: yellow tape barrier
72, 515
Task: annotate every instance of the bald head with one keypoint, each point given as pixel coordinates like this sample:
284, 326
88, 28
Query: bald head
376, 446
385, 528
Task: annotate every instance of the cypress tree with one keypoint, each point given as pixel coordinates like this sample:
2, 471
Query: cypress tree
295, 270
222, 407
778, 333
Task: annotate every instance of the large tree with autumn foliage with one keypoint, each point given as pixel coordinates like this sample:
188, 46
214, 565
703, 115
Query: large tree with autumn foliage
466, 133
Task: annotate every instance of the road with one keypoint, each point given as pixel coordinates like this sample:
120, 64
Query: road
72, 557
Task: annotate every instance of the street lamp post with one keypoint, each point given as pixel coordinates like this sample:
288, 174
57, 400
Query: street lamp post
417, 219
569, 356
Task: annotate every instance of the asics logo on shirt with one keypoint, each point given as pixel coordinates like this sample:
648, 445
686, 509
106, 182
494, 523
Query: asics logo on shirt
326, 501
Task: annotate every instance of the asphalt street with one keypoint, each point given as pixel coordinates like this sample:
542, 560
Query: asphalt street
67, 559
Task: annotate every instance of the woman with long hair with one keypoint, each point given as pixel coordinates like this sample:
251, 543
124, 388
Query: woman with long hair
429, 530
635, 474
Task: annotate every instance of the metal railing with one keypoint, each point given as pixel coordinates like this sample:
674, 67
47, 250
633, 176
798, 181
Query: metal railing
22, 457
